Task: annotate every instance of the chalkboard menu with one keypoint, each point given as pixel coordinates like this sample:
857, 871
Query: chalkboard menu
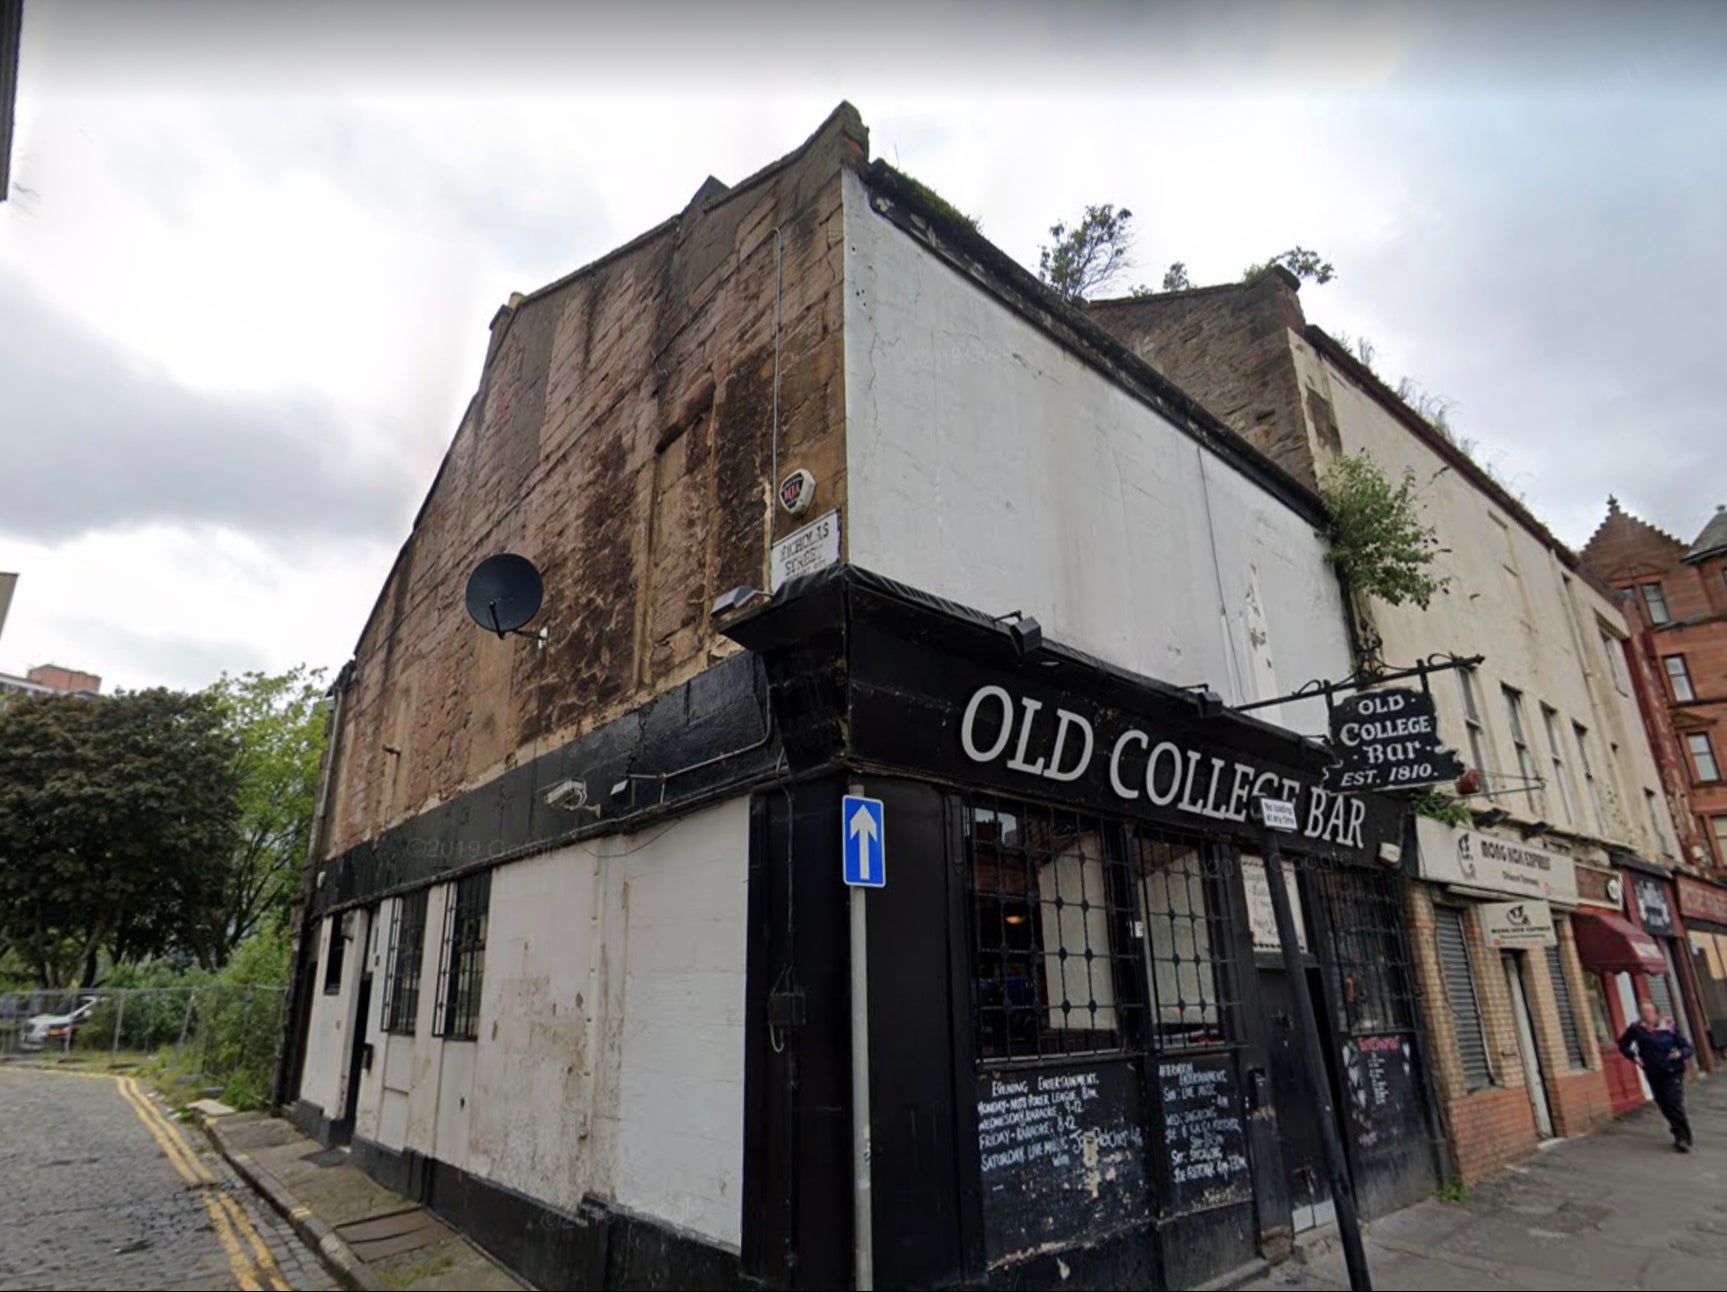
1062, 1154
1204, 1132
1380, 1075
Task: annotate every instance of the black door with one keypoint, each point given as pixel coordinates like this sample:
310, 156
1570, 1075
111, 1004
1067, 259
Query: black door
1293, 1097
344, 1130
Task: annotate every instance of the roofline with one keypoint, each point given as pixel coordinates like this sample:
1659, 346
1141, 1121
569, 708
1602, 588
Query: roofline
1015, 286
1455, 457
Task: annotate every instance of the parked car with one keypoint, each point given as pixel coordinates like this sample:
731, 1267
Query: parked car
42, 1029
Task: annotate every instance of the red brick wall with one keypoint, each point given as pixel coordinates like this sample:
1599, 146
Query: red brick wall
1627, 552
621, 439
64, 679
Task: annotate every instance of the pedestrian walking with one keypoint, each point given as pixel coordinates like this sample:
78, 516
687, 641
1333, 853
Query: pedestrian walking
1659, 1045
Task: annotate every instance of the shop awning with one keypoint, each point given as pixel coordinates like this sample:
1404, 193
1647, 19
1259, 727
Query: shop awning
1612, 944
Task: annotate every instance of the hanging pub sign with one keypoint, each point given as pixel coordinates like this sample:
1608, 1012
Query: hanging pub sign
1387, 740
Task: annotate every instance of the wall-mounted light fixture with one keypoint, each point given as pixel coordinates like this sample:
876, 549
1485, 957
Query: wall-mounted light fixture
1534, 830
1026, 632
1491, 817
1208, 702
737, 600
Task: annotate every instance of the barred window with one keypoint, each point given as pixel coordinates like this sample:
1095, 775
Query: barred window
1044, 949
1363, 915
463, 961
1178, 919
407, 950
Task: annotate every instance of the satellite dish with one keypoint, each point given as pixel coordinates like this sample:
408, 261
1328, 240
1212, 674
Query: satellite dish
504, 592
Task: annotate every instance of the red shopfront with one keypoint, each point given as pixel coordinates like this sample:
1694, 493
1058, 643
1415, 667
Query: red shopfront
1620, 959
1704, 907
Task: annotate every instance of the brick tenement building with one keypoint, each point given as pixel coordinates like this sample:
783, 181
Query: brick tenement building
1522, 1035
1675, 598
576, 963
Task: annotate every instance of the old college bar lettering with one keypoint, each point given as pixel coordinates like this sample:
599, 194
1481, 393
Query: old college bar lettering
1061, 746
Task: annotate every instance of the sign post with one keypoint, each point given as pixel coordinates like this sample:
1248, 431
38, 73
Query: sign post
863, 850
1277, 816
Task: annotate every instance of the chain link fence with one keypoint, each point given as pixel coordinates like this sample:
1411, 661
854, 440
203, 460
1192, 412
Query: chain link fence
214, 1035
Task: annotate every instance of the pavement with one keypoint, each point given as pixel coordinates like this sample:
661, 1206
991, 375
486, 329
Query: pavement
1616, 1209
103, 1188
373, 1237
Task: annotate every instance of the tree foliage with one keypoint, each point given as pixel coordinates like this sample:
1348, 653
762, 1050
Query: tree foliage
1375, 534
114, 815
1305, 264
1175, 278
278, 724
1089, 255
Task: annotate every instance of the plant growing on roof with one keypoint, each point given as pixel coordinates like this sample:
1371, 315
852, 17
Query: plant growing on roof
1090, 254
1376, 536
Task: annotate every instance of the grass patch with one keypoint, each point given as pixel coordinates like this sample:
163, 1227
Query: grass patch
1454, 1192
428, 1268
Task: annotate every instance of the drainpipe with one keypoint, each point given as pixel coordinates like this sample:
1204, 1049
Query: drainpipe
296, 1010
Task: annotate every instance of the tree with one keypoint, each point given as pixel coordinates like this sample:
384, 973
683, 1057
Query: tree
112, 813
278, 725
1374, 534
1089, 255
1175, 278
1303, 263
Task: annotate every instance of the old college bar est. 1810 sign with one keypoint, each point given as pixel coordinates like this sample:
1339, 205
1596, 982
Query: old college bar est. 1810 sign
1388, 739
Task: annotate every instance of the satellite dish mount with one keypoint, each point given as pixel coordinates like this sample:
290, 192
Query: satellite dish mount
504, 593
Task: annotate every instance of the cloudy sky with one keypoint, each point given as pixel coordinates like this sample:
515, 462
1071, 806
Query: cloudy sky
251, 250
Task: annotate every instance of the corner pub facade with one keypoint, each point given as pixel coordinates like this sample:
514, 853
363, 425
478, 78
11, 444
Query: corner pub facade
573, 963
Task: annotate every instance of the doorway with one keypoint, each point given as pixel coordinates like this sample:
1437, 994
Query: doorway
1298, 1129
1533, 1075
359, 1056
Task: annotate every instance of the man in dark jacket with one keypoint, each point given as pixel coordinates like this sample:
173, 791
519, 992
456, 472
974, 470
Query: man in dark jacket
1659, 1045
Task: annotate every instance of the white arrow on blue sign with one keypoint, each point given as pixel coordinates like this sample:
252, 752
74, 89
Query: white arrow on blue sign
863, 842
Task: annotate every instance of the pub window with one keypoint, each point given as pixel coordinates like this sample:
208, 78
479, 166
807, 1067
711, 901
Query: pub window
462, 966
1567, 794
333, 959
1478, 738
1177, 915
1364, 917
1567, 1009
1453, 941
1044, 949
1679, 677
1594, 786
1526, 763
1655, 601
1703, 756
407, 950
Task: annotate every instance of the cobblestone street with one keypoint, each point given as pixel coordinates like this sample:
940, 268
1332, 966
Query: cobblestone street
101, 1189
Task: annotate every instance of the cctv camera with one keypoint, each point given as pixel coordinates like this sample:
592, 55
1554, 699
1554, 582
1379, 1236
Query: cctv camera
570, 796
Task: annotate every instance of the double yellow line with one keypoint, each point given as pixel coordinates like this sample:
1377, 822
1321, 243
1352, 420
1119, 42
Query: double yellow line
234, 1229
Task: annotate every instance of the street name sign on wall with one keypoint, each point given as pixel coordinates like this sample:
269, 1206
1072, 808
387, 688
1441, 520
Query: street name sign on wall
814, 547
1386, 740
1506, 925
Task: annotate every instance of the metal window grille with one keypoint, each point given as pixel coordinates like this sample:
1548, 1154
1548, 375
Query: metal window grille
1567, 1009
1453, 942
1045, 944
334, 956
407, 951
1363, 922
1179, 918
463, 961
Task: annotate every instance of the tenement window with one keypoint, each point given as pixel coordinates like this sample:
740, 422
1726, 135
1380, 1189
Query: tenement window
1679, 677
1478, 740
1611, 648
1654, 806
1561, 776
463, 962
407, 950
1703, 756
1594, 786
1526, 764
1655, 601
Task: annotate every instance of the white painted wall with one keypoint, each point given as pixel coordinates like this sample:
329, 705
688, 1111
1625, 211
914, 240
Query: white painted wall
324, 1077
1513, 601
610, 1050
987, 464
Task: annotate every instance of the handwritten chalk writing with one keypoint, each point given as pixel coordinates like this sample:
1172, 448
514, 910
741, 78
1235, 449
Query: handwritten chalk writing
1204, 1131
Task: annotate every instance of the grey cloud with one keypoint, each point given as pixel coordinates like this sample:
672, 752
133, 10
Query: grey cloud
91, 440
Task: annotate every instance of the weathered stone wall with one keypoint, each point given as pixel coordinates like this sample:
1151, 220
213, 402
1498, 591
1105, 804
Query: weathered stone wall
621, 438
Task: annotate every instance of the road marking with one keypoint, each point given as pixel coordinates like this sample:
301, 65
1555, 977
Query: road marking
229, 1218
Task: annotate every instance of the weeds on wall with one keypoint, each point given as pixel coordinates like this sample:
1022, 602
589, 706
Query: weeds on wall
1375, 534
1441, 806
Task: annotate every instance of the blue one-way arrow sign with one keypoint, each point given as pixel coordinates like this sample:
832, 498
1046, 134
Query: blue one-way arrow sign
863, 841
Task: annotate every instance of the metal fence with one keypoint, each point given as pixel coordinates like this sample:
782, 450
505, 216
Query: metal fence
220, 1034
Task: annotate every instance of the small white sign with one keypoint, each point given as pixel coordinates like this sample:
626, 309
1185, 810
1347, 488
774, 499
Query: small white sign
814, 547
1518, 924
1278, 814
1261, 915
